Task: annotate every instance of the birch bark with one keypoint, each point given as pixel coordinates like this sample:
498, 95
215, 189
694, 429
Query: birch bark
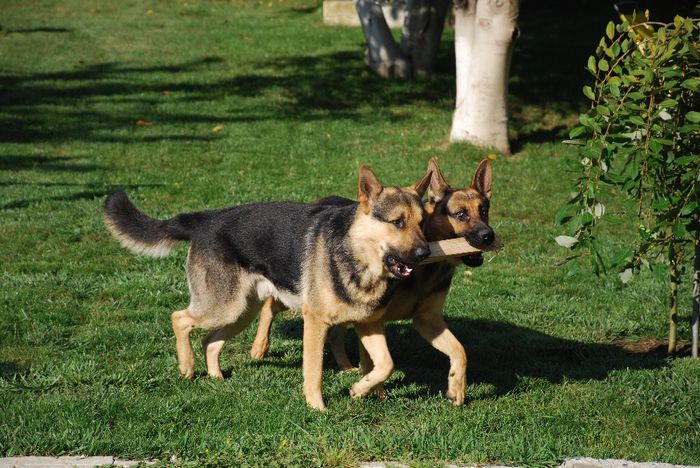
384, 56
422, 30
484, 36
420, 38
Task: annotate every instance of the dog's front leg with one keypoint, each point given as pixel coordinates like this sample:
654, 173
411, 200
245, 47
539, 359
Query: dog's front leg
366, 365
433, 328
372, 338
315, 332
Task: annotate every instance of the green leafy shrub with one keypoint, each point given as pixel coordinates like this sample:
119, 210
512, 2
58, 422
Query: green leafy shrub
641, 139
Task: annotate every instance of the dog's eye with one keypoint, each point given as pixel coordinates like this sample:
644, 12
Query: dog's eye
461, 215
483, 212
399, 223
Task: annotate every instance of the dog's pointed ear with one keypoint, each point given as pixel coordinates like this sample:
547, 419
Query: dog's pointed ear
481, 182
368, 187
438, 185
421, 186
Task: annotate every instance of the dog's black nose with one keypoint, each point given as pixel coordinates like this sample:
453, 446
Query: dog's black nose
422, 252
487, 236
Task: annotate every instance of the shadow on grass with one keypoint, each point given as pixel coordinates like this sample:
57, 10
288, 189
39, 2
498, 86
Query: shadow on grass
16, 162
319, 87
44, 29
499, 353
102, 102
92, 191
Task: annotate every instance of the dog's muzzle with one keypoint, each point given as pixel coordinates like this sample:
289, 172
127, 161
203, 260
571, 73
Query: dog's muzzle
396, 267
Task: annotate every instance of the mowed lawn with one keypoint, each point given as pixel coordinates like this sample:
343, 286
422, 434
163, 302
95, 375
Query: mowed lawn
204, 104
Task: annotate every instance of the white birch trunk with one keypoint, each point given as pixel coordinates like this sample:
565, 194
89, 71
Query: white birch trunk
384, 56
422, 30
484, 36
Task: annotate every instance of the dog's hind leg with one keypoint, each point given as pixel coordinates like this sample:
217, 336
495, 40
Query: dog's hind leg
261, 345
214, 341
183, 324
373, 339
433, 328
336, 342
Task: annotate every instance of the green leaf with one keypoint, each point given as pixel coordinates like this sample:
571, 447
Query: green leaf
585, 120
660, 272
614, 90
615, 49
678, 229
603, 65
591, 64
689, 208
623, 257
563, 215
586, 219
588, 92
693, 84
683, 160
637, 120
661, 204
693, 116
610, 30
603, 110
576, 131
668, 103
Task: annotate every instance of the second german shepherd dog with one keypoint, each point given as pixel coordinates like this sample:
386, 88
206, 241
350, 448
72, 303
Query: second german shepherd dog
337, 264
450, 213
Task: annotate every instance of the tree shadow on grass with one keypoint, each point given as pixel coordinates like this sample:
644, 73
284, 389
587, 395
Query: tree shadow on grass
319, 87
102, 102
40, 29
17, 162
91, 191
499, 353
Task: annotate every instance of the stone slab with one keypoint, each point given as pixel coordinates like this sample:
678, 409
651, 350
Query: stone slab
63, 462
584, 462
343, 13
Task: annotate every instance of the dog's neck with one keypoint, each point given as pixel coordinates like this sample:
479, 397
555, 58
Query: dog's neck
369, 275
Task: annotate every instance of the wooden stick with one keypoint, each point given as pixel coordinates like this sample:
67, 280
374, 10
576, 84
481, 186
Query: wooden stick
459, 247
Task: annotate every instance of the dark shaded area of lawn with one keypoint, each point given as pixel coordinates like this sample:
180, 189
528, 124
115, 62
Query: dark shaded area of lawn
547, 73
499, 353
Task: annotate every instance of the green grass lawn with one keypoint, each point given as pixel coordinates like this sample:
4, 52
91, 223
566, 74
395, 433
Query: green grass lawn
98, 95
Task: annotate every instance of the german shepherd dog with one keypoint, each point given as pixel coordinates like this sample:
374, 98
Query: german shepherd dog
338, 264
449, 213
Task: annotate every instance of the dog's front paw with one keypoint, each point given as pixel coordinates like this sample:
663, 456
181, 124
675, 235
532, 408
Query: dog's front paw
315, 400
187, 372
356, 391
456, 392
456, 400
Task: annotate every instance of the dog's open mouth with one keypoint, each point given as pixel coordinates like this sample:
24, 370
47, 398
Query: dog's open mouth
473, 260
396, 267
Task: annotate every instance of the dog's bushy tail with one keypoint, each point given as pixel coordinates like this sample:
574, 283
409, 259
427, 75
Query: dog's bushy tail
140, 233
